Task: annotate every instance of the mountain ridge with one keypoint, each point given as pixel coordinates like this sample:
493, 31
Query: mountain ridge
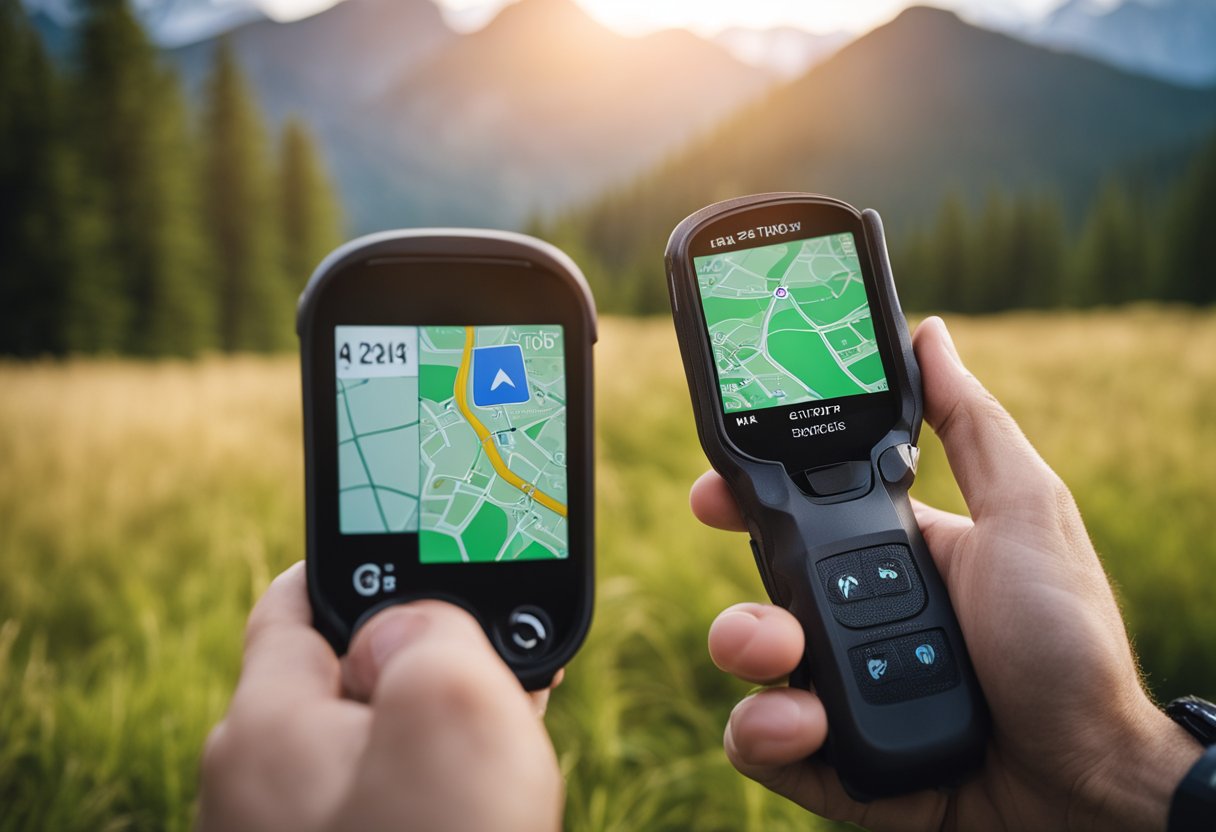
921, 107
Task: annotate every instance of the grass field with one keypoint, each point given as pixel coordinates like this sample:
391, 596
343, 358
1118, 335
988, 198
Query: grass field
144, 506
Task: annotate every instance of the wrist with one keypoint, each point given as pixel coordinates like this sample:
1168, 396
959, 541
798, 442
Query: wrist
1141, 771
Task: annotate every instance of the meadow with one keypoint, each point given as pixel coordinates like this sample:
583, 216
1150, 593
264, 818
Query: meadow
144, 506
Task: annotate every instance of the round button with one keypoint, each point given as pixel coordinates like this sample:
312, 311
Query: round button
528, 631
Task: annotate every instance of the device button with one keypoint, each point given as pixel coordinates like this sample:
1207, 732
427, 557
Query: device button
528, 631
898, 463
927, 657
849, 585
838, 479
886, 575
879, 664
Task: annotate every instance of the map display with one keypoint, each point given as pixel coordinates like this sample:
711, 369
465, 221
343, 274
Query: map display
790, 323
457, 434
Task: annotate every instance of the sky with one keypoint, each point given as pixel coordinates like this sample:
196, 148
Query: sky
711, 16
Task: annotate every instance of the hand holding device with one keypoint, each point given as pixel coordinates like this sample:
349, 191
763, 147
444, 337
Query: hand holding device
1076, 742
435, 732
808, 402
448, 437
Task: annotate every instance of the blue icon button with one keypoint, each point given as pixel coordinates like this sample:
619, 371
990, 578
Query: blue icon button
846, 585
499, 376
877, 668
925, 654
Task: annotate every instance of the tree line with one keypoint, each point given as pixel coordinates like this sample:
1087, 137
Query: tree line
1132, 244
131, 223
1136, 240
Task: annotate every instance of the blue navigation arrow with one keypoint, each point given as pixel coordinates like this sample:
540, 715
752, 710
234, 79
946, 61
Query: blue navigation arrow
499, 376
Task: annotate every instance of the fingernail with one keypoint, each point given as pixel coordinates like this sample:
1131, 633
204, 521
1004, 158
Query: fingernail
395, 631
770, 718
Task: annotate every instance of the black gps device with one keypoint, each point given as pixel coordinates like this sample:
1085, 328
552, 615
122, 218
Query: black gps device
807, 400
448, 437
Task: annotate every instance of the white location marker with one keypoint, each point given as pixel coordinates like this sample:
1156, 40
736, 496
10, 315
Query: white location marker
501, 379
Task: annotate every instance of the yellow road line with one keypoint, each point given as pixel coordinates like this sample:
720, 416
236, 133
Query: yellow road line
487, 438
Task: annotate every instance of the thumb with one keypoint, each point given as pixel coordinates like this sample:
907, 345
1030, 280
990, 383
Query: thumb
389, 632
997, 469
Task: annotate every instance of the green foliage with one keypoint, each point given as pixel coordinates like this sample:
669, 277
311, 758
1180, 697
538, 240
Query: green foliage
1191, 228
239, 214
132, 125
55, 282
1112, 259
168, 494
310, 226
1008, 252
124, 230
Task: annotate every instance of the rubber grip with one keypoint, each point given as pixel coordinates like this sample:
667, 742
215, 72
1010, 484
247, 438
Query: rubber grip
890, 665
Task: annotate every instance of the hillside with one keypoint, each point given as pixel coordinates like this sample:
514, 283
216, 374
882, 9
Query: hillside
896, 120
540, 107
544, 105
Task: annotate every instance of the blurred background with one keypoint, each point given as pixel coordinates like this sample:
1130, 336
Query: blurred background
172, 170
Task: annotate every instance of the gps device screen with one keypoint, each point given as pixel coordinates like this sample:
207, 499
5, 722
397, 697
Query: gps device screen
790, 323
449, 437
456, 434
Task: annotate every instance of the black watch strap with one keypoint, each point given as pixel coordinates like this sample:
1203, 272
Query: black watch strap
1193, 808
1197, 716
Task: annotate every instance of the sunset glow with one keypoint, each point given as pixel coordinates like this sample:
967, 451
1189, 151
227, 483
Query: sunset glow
710, 16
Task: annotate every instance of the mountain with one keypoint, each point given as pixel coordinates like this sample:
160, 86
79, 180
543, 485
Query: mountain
1170, 39
784, 50
330, 69
170, 23
898, 119
544, 105
329, 63
540, 107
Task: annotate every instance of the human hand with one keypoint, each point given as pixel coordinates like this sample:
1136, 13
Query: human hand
1076, 741
420, 726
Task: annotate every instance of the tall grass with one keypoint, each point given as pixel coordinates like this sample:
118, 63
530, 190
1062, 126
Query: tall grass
143, 507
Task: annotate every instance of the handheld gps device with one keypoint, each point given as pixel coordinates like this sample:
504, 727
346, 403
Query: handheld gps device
808, 402
448, 437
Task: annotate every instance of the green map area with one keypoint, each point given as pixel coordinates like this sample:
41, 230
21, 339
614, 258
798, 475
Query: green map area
790, 323
473, 463
493, 478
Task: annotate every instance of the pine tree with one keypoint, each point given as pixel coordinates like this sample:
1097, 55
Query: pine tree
992, 275
32, 289
1036, 253
134, 144
915, 274
255, 307
309, 215
950, 254
1110, 263
1186, 259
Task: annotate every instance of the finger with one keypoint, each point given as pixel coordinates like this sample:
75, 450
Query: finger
540, 698
714, 505
448, 698
941, 529
769, 738
756, 642
996, 467
775, 727
286, 659
392, 630
442, 673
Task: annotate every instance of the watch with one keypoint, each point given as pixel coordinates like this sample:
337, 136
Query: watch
1193, 807
1197, 716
